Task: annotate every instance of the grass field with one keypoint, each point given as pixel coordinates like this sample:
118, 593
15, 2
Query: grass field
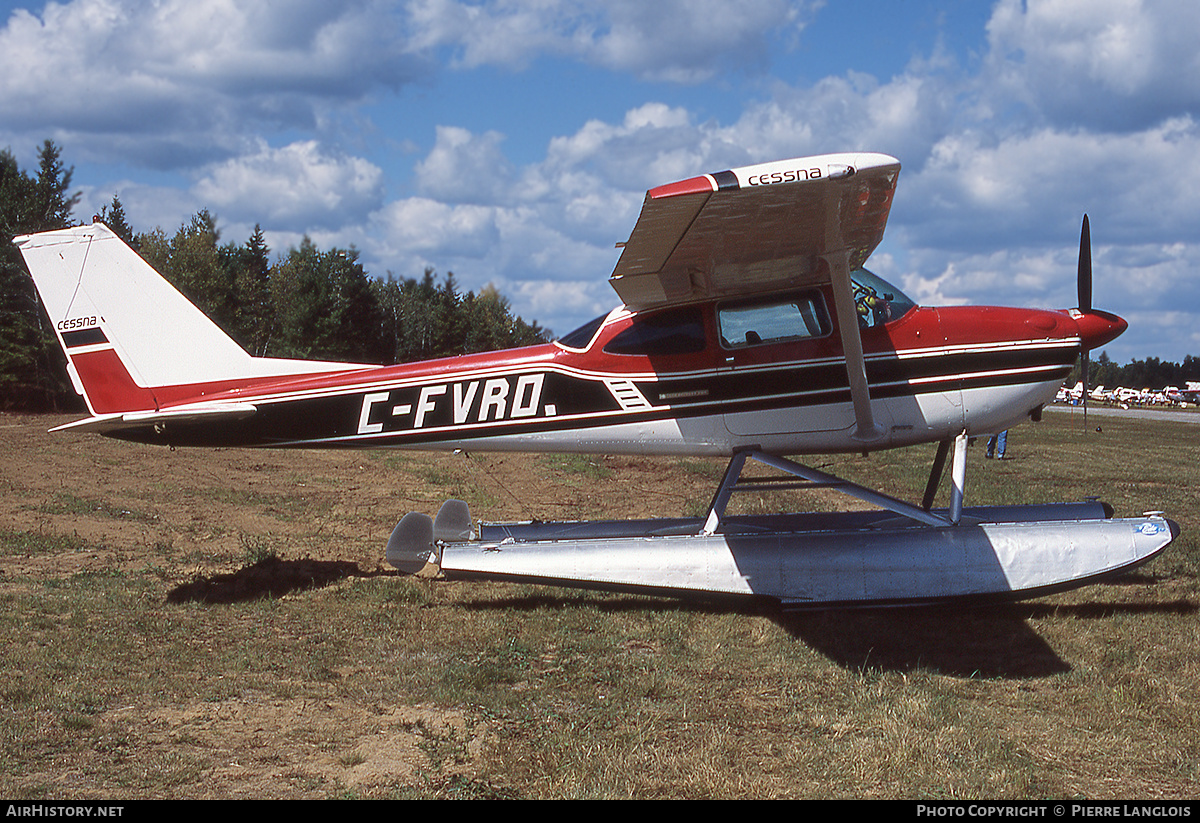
216, 624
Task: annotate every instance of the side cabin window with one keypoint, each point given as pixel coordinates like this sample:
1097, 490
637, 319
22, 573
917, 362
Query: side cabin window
780, 319
674, 331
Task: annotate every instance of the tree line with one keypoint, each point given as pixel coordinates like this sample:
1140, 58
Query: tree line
308, 303
1150, 373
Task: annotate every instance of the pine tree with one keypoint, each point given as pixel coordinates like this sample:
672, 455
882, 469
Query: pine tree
33, 373
327, 308
424, 320
52, 204
113, 216
256, 321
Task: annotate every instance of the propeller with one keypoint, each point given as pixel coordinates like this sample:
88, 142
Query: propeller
1085, 300
1085, 266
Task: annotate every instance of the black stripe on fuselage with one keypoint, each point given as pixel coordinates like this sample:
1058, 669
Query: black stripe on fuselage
454, 411
817, 383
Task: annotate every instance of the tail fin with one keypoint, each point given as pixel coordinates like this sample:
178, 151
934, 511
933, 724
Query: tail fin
127, 333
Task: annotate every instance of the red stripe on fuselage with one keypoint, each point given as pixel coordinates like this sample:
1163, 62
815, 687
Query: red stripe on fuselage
111, 389
355, 379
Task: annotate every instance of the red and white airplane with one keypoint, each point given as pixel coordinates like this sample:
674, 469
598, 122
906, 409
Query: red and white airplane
748, 329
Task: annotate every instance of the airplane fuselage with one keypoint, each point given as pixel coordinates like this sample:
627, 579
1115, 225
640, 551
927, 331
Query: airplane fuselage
662, 382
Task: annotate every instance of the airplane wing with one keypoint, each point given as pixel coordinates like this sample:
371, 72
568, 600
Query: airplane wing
775, 226
755, 229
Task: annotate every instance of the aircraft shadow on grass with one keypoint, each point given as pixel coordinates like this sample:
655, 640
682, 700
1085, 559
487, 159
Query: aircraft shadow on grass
268, 578
961, 641
955, 641
981, 641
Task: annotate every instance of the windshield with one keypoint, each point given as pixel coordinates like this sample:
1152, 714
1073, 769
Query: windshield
877, 300
674, 331
582, 336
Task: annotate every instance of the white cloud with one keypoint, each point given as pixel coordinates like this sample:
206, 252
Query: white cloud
688, 41
681, 41
1031, 187
513, 248
904, 117
432, 230
297, 186
589, 185
192, 79
146, 207
466, 168
1119, 64
562, 305
603, 170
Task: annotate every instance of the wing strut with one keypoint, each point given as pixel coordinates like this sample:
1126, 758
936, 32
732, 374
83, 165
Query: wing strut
867, 430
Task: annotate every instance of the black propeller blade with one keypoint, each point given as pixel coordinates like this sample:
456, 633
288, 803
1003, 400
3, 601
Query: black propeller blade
1085, 267
1085, 300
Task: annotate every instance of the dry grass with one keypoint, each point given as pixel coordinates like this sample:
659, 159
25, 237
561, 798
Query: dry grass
216, 624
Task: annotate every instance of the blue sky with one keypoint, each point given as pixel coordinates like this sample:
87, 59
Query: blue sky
512, 142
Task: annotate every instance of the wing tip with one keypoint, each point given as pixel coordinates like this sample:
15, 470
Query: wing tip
704, 184
795, 170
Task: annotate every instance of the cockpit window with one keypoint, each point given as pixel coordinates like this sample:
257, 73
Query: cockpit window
774, 320
877, 300
675, 331
582, 336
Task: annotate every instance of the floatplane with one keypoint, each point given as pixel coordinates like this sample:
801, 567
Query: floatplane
749, 329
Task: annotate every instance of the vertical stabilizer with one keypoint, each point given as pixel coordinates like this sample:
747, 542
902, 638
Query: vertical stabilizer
127, 332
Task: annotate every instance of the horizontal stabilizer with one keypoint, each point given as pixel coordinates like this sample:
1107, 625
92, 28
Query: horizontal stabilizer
453, 522
411, 545
109, 423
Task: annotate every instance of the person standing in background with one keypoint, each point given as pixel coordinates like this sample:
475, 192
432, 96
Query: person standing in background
997, 444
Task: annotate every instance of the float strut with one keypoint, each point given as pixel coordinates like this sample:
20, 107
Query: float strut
935, 474
958, 478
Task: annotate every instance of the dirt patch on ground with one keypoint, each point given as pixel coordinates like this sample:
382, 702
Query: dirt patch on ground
285, 743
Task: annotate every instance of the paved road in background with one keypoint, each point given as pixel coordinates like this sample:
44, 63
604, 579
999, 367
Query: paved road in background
1144, 414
